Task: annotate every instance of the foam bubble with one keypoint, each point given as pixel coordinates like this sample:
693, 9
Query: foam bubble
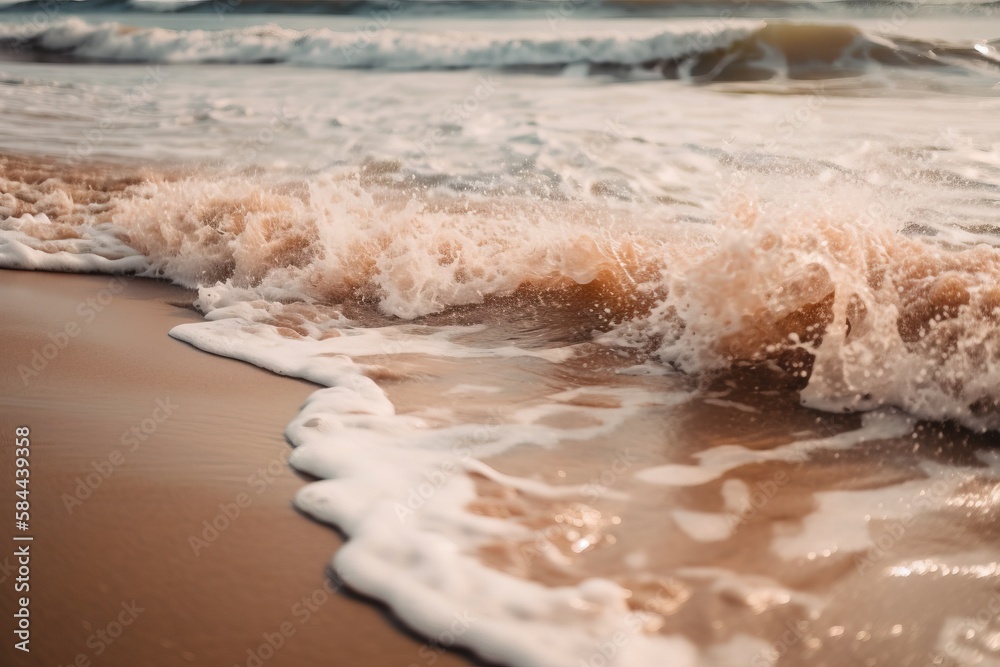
398, 485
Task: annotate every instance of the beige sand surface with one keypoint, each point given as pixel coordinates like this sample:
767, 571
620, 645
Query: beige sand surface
130, 538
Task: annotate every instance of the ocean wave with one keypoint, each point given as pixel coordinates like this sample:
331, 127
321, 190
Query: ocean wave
863, 314
509, 7
743, 50
77, 40
859, 313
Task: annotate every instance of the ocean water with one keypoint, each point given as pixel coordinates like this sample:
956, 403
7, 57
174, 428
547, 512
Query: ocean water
647, 336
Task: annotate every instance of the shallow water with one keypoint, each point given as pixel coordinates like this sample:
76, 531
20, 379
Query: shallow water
646, 341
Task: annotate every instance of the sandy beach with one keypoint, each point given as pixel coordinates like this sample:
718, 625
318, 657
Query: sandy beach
137, 441
534, 333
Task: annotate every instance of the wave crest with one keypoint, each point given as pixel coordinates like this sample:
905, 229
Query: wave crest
742, 51
862, 314
865, 315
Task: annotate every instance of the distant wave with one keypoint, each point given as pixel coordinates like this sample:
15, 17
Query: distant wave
744, 50
77, 40
343, 7
268, 6
630, 7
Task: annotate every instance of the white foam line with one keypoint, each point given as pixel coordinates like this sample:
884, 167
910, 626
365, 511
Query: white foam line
715, 462
399, 489
842, 521
16, 253
542, 489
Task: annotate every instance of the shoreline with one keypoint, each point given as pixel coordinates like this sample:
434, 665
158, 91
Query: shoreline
162, 494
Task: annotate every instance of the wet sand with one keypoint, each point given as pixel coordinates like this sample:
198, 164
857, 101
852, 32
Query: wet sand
137, 440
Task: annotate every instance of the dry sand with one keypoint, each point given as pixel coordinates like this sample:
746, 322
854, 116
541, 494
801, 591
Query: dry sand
130, 538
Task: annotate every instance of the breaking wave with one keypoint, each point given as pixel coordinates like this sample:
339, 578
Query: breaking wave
741, 50
857, 312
